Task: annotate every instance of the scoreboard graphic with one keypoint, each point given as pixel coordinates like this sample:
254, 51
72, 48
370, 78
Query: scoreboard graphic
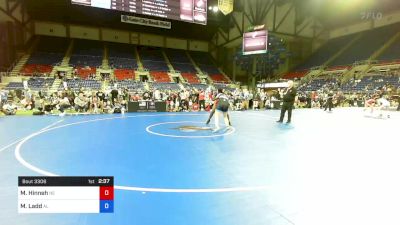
193, 11
147, 106
65, 194
255, 42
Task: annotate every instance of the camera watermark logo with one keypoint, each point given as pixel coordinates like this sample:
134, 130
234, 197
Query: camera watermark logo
371, 15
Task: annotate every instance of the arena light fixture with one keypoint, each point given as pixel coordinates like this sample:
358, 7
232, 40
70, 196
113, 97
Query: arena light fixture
215, 9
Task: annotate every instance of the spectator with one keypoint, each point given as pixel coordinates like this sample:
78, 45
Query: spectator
81, 103
63, 104
9, 108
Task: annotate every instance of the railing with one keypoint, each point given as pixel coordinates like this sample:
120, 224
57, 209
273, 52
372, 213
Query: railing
4, 74
362, 62
143, 70
374, 62
387, 62
16, 61
317, 68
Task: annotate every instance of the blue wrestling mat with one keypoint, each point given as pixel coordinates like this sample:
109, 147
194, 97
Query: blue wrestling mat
172, 169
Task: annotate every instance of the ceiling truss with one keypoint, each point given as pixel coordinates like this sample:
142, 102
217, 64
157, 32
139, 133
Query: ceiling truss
21, 18
258, 12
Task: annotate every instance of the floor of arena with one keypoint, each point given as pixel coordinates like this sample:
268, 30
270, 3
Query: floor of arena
324, 168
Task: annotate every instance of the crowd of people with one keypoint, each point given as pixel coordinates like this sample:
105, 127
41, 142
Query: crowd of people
115, 100
317, 99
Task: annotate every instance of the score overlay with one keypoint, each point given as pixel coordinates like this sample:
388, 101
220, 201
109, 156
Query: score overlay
65, 194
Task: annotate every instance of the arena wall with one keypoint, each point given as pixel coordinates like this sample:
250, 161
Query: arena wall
50, 29
115, 36
176, 43
151, 40
106, 34
387, 19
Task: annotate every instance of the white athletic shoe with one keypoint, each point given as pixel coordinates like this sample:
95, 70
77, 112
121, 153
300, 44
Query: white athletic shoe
228, 128
216, 130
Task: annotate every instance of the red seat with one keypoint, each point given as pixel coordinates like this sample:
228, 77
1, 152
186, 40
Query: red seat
124, 74
219, 78
160, 77
30, 69
191, 78
338, 68
297, 74
85, 72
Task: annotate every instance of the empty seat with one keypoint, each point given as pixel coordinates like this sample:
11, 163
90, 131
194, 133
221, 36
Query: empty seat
40, 83
15, 86
219, 78
124, 74
87, 53
196, 86
30, 69
85, 72
131, 85
165, 86
180, 61
325, 52
392, 53
364, 47
152, 59
191, 78
160, 77
319, 83
121, 56
78, 84
296, 74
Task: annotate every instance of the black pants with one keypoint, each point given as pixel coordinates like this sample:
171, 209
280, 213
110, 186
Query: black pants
184, 104
48, 108
329, 105
286, 106
202, 104
80, 108
63, 107
321, 104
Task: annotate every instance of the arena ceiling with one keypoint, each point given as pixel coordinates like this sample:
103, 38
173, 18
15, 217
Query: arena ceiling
296, 18
63, 11
336, 13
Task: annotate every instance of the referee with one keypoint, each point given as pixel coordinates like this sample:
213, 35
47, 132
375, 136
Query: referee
329, 101
288, 102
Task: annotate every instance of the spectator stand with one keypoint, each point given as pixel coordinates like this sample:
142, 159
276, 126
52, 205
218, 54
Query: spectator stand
33, 83
165, 86
196, 86
130, 85
77, 84
190, 78
48, 52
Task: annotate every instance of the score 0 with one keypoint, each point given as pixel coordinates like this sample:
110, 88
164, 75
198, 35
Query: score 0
106, 196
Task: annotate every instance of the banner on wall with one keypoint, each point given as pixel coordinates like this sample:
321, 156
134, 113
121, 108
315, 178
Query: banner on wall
225, 6
145, 22
273, 85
